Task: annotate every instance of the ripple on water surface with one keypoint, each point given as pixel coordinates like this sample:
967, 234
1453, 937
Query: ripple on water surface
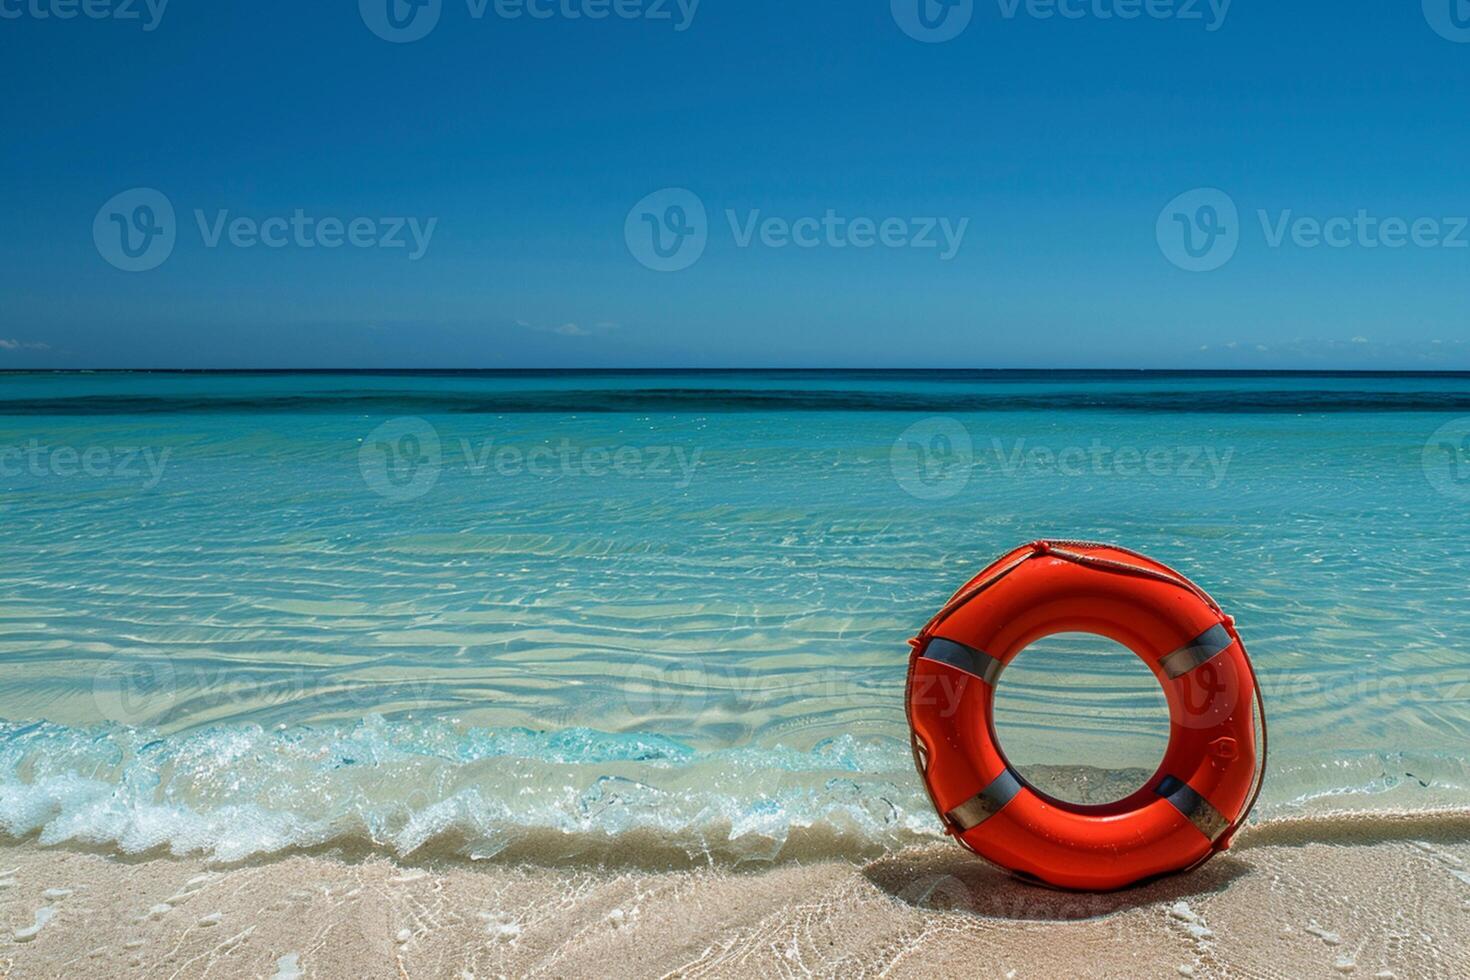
261, 596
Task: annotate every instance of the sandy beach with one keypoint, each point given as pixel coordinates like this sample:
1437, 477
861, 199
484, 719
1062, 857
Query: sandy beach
1387, 898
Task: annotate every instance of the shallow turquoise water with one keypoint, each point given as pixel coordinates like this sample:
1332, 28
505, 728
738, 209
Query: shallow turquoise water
486, 613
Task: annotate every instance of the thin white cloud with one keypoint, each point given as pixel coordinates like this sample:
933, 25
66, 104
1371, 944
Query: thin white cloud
12, 344
1356, 348
571, 328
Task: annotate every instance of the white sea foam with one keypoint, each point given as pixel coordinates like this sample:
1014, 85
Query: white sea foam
43, 916
403, 788
232, 793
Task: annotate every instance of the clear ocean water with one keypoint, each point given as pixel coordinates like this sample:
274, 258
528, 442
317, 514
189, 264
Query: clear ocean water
568, 616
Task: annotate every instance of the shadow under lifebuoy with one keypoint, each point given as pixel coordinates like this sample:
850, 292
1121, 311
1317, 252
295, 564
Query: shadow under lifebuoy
945, 880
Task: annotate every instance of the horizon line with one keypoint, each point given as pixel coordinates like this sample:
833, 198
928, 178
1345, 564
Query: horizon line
505, 372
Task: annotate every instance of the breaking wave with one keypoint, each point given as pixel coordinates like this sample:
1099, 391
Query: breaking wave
578, 795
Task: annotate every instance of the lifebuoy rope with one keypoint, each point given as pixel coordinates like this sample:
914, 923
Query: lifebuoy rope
1062, 549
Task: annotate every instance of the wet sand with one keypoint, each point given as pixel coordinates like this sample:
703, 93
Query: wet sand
1386, 898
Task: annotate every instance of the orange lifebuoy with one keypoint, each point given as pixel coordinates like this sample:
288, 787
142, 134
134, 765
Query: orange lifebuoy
1209, 778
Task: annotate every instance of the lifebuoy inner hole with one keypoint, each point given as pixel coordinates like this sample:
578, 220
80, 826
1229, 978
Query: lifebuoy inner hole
1081, 718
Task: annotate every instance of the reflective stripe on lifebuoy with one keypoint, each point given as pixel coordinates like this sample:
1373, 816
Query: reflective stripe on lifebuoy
1208, 779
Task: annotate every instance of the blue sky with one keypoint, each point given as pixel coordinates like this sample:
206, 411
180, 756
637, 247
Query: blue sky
1060, 152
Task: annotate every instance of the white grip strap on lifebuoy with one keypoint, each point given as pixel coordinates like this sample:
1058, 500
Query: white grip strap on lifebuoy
1196, 809
985, 804
966, 658
1198, 652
